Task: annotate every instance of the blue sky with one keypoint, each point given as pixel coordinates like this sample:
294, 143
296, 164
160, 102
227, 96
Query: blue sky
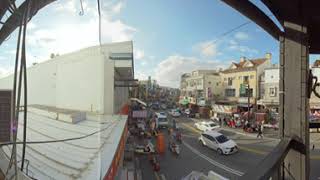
170, 37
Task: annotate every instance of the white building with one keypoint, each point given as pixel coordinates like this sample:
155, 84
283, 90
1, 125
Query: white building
200, 85
84, 89
269, 87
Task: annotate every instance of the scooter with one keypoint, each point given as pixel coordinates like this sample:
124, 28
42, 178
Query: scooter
148, 149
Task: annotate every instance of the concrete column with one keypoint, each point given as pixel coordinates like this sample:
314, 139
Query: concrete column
294, 103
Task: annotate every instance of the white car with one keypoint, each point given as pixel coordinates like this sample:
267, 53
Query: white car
206, 126
175, 113
218, 142
187, 111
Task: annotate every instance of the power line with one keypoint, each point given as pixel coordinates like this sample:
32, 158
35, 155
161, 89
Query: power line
230, 31
226, 33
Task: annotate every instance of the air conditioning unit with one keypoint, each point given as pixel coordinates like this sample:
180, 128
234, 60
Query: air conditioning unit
6, 113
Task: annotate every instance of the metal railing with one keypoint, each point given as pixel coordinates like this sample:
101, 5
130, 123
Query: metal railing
271, 164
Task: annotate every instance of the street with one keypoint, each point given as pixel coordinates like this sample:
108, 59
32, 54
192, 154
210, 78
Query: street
195, 157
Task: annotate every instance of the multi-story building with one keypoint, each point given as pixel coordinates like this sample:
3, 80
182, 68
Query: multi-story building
183, 84
239, 76
269, 87
201, 86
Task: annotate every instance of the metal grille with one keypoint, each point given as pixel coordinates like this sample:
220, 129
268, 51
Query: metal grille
5, 114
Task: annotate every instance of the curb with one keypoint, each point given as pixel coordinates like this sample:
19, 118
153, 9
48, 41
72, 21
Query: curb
247, 134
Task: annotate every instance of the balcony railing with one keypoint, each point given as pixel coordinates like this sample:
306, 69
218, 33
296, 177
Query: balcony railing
271, 164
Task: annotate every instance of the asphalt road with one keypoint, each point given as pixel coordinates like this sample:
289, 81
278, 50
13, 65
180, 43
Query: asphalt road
195, 157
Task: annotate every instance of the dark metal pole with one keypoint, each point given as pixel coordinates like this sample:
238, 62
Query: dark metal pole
248, 93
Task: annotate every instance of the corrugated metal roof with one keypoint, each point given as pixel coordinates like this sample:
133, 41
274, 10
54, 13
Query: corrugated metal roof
87, 158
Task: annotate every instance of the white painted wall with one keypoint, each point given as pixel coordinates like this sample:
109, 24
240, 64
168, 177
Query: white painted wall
82, 80
272, 75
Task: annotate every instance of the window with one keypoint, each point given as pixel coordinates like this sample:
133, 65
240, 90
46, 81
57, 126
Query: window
230, 92
225, 79
271, 77
222, 139
209, 82
211, 138
245, 79
229, 81
217, 84
246, 93
273, 92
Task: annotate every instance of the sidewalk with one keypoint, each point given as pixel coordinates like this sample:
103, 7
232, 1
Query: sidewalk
267, 133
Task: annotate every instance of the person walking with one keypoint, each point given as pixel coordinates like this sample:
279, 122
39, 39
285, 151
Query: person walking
260, 132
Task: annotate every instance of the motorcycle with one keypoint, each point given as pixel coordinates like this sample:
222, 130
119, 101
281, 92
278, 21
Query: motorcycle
179, 137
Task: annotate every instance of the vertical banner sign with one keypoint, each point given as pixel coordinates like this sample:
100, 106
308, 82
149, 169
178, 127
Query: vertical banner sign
209, 92
243, 89
5, 115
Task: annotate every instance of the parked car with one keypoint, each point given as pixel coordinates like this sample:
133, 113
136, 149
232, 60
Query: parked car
218, 142
163, 106
187, 112
175, 113
206, 126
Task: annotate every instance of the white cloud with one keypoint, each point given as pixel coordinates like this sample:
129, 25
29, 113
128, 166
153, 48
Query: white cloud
5, 71
243, 49
67, 7
117, 7
31, 26
235, 46
241, 36
67, 37
168, 71
138, 54
206, 49
141, 76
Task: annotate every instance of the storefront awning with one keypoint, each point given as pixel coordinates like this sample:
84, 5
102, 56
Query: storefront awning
139, 101
244, 105
223, 109
184, 101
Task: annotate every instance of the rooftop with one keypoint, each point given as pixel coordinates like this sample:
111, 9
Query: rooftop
85, 158
242, 66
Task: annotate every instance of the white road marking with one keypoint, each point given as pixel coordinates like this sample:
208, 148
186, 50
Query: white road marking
215, 163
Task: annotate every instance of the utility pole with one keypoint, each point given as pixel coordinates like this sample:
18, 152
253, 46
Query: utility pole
248, 94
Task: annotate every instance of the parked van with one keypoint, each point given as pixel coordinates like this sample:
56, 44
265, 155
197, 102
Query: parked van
162, 120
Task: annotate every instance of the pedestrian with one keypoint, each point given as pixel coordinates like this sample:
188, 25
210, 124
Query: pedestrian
259, 132
220, 121
174, 124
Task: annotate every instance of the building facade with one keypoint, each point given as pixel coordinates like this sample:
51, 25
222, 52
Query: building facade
269, 87
201, 86
83, 80
242, 79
